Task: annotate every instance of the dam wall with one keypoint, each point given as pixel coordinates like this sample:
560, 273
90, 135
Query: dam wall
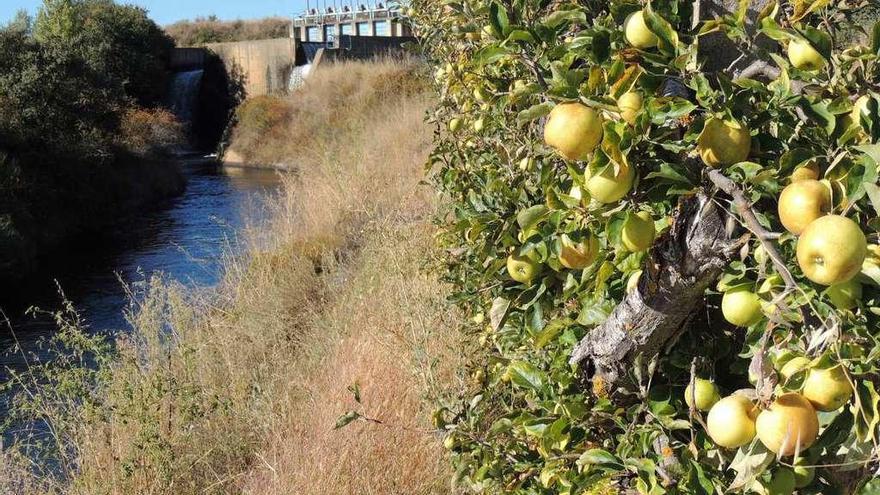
263, 65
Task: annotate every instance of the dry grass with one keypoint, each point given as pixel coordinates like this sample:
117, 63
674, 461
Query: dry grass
238, 392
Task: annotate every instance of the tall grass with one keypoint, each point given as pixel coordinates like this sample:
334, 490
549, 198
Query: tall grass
238, 391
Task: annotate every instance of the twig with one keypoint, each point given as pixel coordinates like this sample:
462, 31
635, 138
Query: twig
748, 215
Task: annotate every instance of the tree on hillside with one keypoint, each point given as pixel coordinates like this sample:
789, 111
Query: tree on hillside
118, 41
653, 205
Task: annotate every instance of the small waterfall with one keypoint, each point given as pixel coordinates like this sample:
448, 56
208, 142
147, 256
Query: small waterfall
298, 76
184, 93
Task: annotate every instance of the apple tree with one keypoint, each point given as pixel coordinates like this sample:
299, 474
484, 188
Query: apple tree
662, 219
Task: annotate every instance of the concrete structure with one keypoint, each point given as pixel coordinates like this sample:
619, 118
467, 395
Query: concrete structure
265, 65
329, 24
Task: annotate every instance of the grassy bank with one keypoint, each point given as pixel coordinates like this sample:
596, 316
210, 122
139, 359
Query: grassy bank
237, 391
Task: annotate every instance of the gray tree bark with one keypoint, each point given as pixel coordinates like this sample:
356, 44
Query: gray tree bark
681, 265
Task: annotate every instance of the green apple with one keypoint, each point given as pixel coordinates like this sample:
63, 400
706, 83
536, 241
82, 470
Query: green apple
731, 421
804, 472
782, 482
704, 391
633, 281
845, 295
455, 125
630, 104
522, 268
831, 250
802, 55
802, 202
637, 33
741, 307
793, 366
608, 187
827, 389
578, 254
724, 142
638, 231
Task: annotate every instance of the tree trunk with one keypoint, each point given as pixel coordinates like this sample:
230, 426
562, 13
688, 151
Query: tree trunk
680, 266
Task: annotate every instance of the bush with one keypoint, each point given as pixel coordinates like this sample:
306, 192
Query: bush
145, 131
211, 30
588, 340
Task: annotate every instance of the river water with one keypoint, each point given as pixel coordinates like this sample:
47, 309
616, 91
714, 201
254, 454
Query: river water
185, 238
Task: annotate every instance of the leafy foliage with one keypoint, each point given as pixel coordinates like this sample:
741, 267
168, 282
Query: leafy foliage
532, 425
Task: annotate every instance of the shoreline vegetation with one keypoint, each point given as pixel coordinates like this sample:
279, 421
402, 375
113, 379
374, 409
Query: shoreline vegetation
333, 308
83, 134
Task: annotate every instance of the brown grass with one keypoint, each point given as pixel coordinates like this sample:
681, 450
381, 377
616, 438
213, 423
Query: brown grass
238, 392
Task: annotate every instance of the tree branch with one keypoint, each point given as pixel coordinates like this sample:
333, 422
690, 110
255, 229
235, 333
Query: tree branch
682, 264
744, 208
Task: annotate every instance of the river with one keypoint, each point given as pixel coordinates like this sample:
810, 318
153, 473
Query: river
184, 238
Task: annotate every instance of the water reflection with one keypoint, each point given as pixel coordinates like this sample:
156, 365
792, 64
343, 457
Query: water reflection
184, 238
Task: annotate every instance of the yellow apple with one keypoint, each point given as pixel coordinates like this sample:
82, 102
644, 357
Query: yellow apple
638, 231
633, 281
831, 250
578, 255
827, 389
790, 424
724, 142
793, 366
479, 124
637, 32
608, 187
741, 307
802, 55
522, 268
573, 129
705, 392
630, 104
731, 421
802, 202
455, 125
845, 295
805, 172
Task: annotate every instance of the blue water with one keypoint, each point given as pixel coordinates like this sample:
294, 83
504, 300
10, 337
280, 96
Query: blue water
184, 238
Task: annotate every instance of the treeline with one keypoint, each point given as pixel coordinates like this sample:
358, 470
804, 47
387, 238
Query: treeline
212, 30
80, 112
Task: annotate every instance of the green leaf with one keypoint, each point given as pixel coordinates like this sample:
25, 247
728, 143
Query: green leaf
668, 38
560, 17
820, 40
525, 375
750, 461
521, 35
531, 216
742, 10
867, 413
534, 112
875, 39
490, 54
550, 331
597, 457
668, 173
498, 18
345, 419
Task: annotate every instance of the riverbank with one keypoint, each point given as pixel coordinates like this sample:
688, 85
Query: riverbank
332, 311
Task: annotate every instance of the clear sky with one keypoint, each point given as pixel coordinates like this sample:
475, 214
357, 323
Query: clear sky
168, 11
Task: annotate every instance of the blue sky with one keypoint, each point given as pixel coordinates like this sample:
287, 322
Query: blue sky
168, 11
